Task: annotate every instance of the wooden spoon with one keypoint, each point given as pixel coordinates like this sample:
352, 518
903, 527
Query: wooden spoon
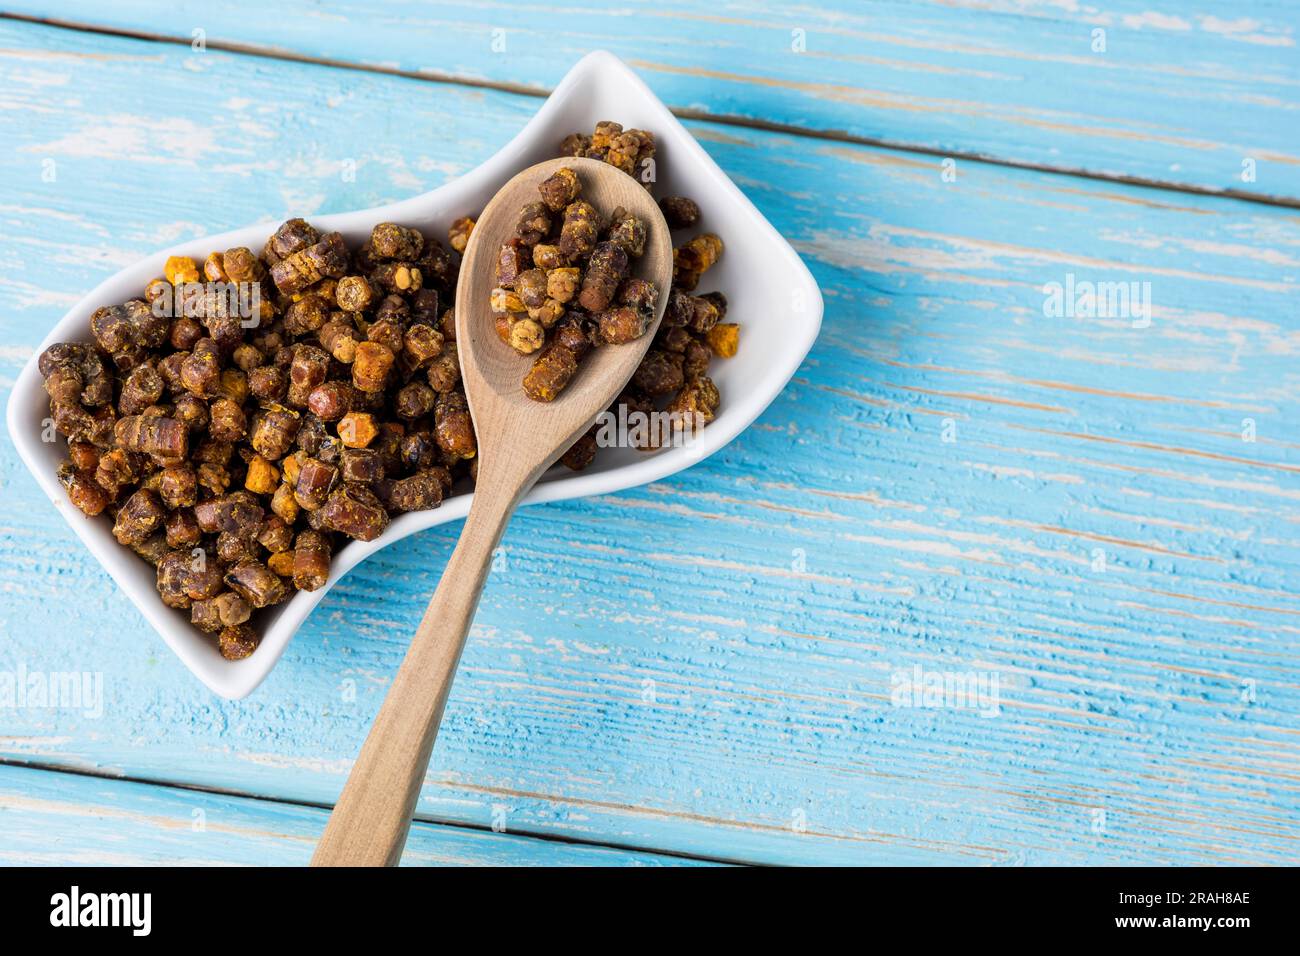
518, 439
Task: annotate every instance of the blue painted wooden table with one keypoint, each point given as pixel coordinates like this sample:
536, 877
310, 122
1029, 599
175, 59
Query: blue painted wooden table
1094, 518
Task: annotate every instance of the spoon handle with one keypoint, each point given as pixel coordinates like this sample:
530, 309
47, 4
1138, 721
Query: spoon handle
370, 821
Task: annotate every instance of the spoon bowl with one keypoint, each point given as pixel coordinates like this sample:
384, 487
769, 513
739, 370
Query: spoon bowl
508, 422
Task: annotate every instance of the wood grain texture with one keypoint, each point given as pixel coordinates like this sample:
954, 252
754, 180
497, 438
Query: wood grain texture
59, 819
1182, 92
704, 665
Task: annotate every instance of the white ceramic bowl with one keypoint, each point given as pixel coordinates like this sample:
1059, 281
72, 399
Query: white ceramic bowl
770, 292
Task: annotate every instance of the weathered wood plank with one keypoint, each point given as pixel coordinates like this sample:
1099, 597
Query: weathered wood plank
705, 664
60, 819
1180, 93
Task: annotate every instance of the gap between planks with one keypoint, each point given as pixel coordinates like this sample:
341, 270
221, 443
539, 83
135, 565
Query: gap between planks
313, 805
686, 113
